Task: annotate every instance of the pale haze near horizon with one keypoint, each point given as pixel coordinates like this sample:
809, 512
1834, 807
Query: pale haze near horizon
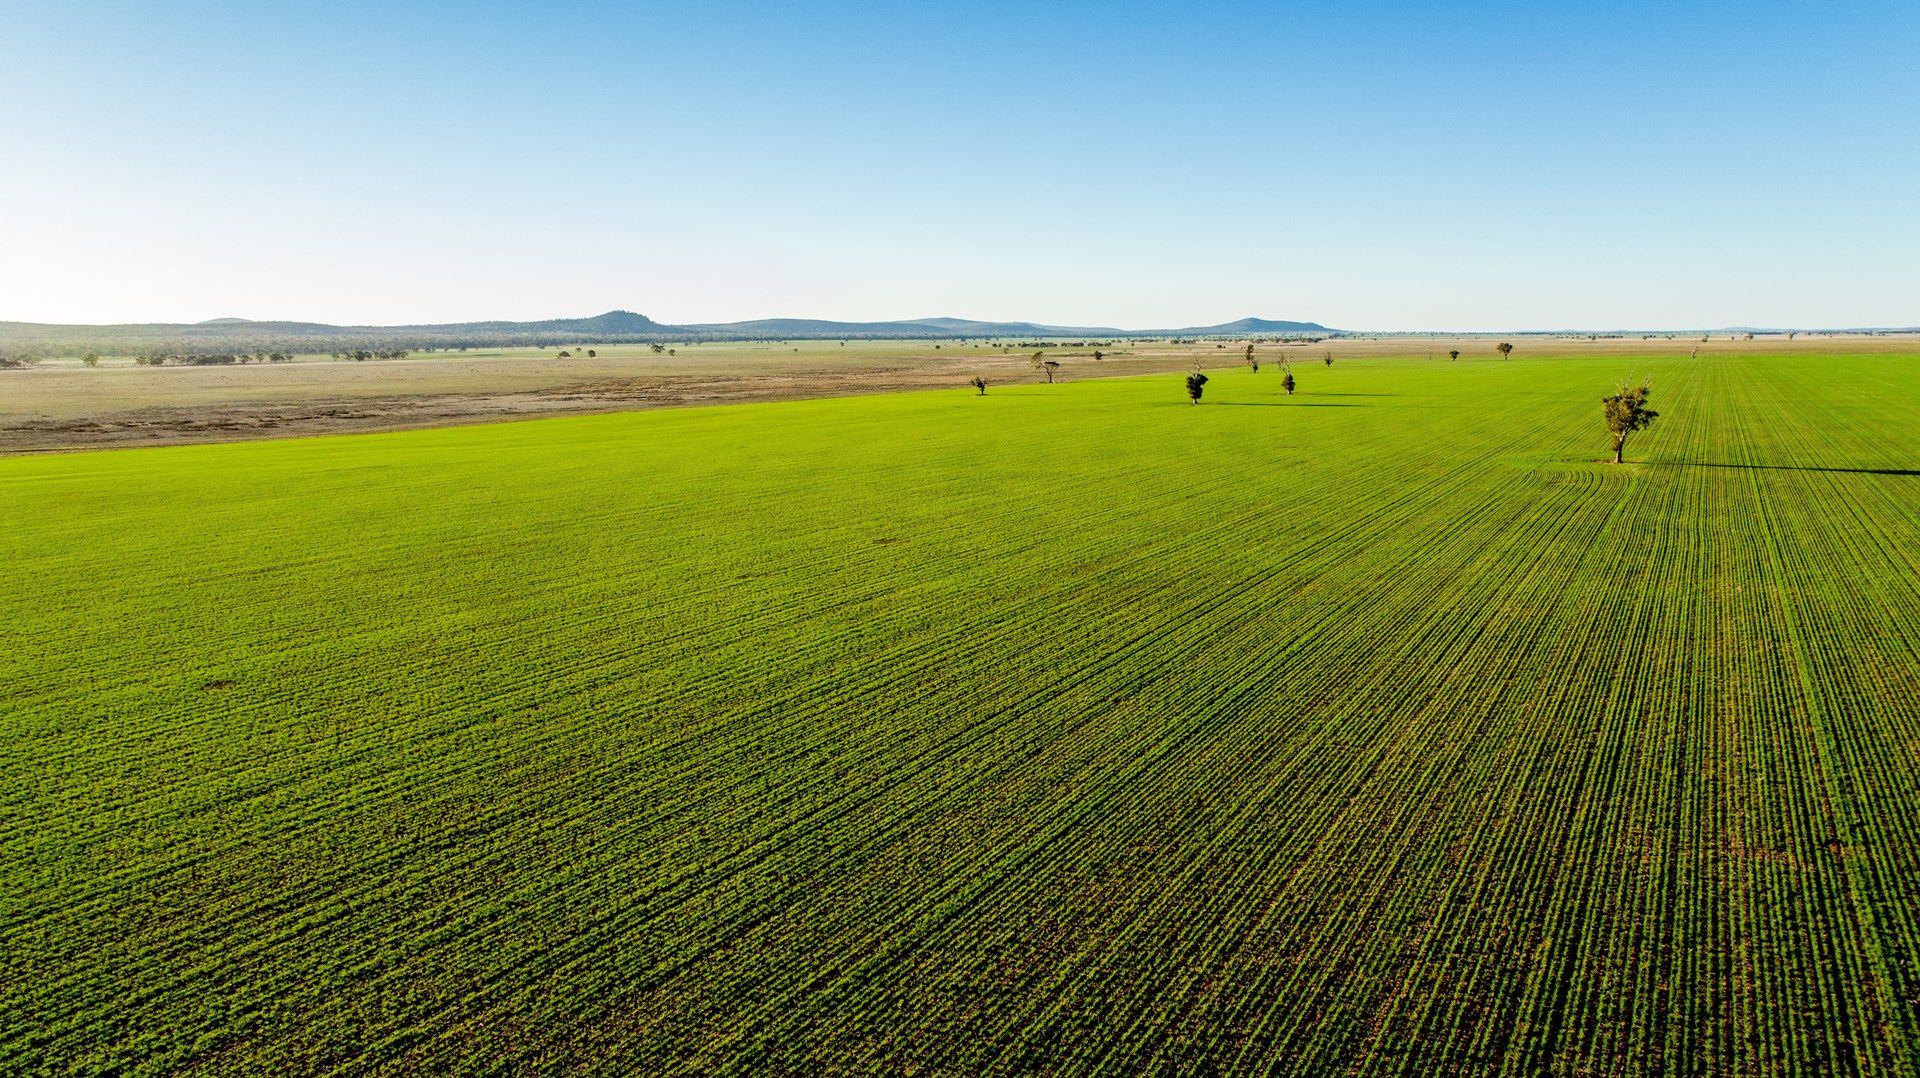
1391, 167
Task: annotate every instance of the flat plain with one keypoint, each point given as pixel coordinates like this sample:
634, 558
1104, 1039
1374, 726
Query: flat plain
1070, 729
59, 405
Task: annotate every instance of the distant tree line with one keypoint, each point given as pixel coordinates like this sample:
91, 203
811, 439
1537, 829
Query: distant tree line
200, 359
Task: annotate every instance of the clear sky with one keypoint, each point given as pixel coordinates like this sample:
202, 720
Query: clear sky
1365, 165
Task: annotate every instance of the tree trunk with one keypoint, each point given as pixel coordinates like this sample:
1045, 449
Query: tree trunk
1619, 448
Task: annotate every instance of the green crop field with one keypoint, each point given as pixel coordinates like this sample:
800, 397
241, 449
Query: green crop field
1071, 729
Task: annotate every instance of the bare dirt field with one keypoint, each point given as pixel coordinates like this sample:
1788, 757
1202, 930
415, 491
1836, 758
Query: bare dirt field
61, 406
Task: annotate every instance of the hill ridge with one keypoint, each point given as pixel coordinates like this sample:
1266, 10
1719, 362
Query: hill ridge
608, 327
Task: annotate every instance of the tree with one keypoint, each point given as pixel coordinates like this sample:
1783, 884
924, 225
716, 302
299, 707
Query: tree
1051, 366
1286, 382
91, 359
591, 354
1196, 385
1329, 358
1627, 412
1098, 355
1454, 355
1505, 350
1252, 362
980, 384
1034, 361
564, 354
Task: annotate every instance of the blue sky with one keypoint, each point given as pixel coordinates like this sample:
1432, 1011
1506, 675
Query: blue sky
1386, 166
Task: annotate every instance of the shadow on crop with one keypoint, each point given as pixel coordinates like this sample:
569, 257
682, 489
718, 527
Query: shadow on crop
1794, 468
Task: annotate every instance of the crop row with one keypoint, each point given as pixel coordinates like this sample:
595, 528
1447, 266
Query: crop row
1069, 728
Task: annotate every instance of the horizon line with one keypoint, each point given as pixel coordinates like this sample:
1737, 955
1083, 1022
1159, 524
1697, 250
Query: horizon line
1012, 322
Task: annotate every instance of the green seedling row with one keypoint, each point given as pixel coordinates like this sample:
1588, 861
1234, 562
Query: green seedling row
1382, 728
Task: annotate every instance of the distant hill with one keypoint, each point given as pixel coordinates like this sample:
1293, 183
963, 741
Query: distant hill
242, 334
613, 322
814, 328
801, 328
969, 327
1250, 325
1255, 326
616, 327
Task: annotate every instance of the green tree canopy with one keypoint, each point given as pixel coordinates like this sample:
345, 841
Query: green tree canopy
1627, 412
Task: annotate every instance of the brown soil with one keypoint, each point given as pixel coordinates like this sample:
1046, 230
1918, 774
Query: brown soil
196, 406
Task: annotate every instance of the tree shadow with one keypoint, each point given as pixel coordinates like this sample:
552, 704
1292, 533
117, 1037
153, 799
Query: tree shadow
1284, 404
1793, 468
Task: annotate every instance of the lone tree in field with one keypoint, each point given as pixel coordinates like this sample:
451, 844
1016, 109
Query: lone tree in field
1329, 358
1050, 366
1627, 412
1286, 382
1454, 355
980, 384
1252, 362
1505, 350
1098, 355
1196, 385
1035, 360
